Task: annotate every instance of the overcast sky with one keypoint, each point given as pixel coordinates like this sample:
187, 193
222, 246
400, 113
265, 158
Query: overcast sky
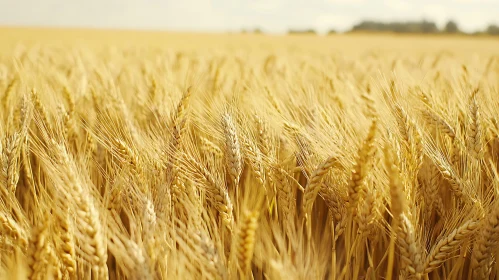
223, 15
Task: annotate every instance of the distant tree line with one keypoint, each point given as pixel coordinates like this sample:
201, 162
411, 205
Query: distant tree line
397, 27
423, 26
415, 27
492, 30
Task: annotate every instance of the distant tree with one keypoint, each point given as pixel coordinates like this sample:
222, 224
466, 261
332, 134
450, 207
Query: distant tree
369, 25
428, 27
492, 29
331, 32
257, 31
451, 27
302, 31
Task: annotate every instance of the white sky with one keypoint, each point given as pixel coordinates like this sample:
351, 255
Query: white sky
224, 15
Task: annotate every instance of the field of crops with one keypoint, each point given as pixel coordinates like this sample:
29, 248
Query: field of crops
128, 155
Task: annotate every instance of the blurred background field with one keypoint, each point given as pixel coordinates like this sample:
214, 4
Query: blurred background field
349, 44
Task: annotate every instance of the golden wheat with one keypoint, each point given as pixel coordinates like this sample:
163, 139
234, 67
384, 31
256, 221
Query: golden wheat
248, 157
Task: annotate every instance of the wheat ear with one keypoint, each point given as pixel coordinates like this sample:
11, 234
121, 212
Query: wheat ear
442, 250
216, 191
361, 168
485, 244
246, 241
475, 131
440, 124
314, 186
9, 227
38, 253
232, 149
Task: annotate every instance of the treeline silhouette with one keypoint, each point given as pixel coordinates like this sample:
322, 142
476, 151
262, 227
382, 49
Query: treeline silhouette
397, 27
423, 26
414, 27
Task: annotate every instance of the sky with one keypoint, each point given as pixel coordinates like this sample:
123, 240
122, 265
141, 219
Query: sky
233, 15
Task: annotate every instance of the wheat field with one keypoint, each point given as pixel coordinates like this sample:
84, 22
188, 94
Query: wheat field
148, 155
